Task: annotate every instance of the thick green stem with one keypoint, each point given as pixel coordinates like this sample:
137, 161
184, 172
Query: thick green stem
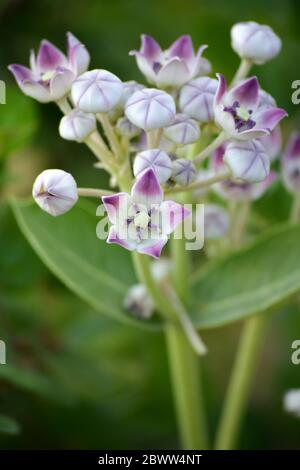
184, 368
184, 363
240, 382
295, 211
242, 71
181, 266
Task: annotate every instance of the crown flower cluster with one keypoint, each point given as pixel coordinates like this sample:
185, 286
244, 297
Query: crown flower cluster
187, 132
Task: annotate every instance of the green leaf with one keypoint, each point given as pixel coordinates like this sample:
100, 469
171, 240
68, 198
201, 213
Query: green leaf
98, 273
9, 425
251, 281
18, 121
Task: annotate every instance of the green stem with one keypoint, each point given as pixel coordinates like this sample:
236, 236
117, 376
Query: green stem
184, 369
110, 134
184, 363
207, 151
64, 105
93, 192
240, 382
200, 184
242, 71
181, 266
295, 211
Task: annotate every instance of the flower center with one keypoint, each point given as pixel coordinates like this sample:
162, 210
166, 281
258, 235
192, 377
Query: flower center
46, 77
241, 115
141, 220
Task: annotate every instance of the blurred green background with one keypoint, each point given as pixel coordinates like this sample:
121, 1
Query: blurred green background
74, 379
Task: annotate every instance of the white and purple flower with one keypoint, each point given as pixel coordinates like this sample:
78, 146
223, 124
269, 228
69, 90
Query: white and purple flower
290, 165
172, 67
141, 220
238, 113
51, 72
237, 190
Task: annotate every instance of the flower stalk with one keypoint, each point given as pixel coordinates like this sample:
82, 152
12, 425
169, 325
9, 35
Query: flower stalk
240, 382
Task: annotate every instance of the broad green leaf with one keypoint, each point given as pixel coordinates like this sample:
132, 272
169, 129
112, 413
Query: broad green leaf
250, 281
18, 121
98, 273
8, 425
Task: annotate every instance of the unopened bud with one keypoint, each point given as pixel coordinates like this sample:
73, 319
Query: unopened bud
184, 172
150, 109
55, 191
77, 125
183, 130
97, 91
156, 159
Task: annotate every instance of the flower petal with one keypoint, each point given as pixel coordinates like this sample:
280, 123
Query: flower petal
146, 66
147, 190
182, 48
246, 93
78, 56
150, 49
114, 237
37, 91
200, 66
256, 190
152, 247
221, 90
292, 150
172, 214
173, 73
20, 73
268, 118
61, 83
252, 134
49, 57
116, 207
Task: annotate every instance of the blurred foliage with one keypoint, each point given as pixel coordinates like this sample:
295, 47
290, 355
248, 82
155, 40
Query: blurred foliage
75, 379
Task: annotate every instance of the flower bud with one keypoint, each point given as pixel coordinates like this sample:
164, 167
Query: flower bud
156, 159
150, 109
125, 128
183, 130
196, 98
255, 42
272, 143
248, 161
55, 191
216, 221
97, 91
291, 164
184, 172
77, 125
129, 88
138, 302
